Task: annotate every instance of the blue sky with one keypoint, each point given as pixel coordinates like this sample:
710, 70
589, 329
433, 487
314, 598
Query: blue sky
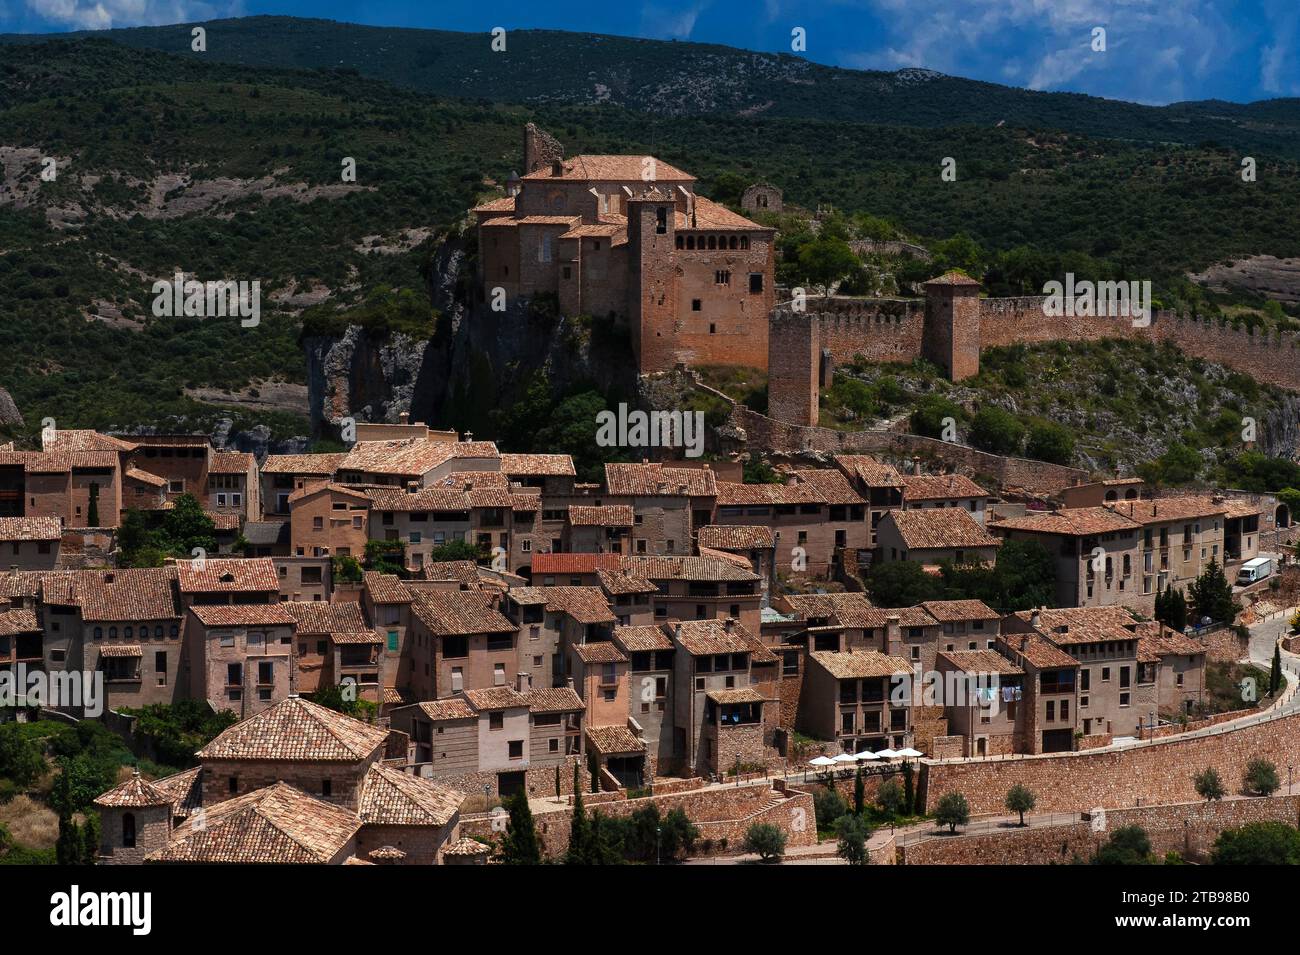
1157, 51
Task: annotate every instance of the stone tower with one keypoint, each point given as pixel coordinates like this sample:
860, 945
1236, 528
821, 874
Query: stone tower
794, 367
652, 278
135, 819
951, 335
540, 149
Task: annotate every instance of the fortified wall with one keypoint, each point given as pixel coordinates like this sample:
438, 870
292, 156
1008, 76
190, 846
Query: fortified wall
951, 326
1156, 771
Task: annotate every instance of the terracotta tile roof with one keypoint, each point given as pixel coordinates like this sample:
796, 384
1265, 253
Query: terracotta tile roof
942, 527
1072, 521
1037, 651
243, 615
703, 637
125, 650
857, 664
947, 611
939, 487
313, 488
573, 563
848, 609
84, 440
231, 462
223, 521
59, 462
356, 637
686, 568
745, 694
952, 278
461, 571
712, 215
297, 729
383, 852
538, 465
1162, 509
412, 457
649, 480
277, 824
736, 536
499, 204
385, 588
618, 582
495, 698
323, 464
610, 515
30, 528
184, 789
611, 740
455, 708
607, 168
823, 486
1068, 626
128, 594
1162, 641
433, 498
466, 847
458, 613
869, 471
227, 575
134, 792
980, 661
599, 652
583, 604
390, 797
558, 699
394, 696
144, 477
641, 639
316, 617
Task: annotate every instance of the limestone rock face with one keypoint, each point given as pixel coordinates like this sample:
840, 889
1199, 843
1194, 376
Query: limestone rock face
9, 413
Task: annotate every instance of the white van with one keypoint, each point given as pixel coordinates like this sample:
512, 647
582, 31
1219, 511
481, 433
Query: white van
1254, 570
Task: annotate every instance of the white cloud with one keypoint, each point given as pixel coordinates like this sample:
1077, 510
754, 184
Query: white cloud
105, 14
677, 24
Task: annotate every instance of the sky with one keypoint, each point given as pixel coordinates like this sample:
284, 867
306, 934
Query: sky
1156, 51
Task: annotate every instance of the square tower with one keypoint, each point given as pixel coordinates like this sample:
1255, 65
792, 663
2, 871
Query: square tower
951, 335
794, 369
652, 278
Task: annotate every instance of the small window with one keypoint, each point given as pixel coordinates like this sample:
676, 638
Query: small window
756, 283
696, 304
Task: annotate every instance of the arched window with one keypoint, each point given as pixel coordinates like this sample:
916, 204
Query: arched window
690, 242
127, 632
1128, 565
762, 201
744, 242
681, 241
128, 830
1130, 494
176, 630
1112, 495
112, 633
733, 242
713, 242
99, 633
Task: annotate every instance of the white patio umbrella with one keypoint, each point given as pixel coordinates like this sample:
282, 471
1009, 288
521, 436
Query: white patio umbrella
821, 761
845, 758
910, 753
887, 754
866, 754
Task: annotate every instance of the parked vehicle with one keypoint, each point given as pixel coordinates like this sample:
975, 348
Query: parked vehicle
1254, 570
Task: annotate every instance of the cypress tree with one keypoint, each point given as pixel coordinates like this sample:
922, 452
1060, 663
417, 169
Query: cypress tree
859, 796
520, 845
580, 833
909, 793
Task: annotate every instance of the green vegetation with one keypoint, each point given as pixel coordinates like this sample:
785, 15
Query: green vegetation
1127, 845
176, 731
1260, 778
1258, 843
766, 841
1020, 800
952, 811
852, 834
520, 845
1209, 785
1210, 596
147, 538
1023, 576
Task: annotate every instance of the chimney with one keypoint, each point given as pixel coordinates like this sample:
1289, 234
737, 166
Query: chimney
893, 634
677, 631
730, 624
523, 682
557, 168
568, 681
469, 436
404, 417
412, 487
916, 465
1035, 618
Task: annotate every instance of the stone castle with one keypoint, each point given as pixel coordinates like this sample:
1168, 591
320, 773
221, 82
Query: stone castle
626, 237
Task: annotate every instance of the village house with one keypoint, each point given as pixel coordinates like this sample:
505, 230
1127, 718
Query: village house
599, 530
242, 656
932, 536
965, 624
848, 698
1095, 551
700, 588
233, 486
81, 488
282, 474
575, 570
629, 595
813, 518
227, 580
460, 641
881, 485
322, 631
754, 542
1179, 538
328, 520
297, 783
30, 543
945, 490
1047, 713
649, 653
667, 503
131, 624
183, 460
983, 700
1100, 493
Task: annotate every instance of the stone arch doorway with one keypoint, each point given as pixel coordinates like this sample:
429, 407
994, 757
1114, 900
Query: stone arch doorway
1282, 516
